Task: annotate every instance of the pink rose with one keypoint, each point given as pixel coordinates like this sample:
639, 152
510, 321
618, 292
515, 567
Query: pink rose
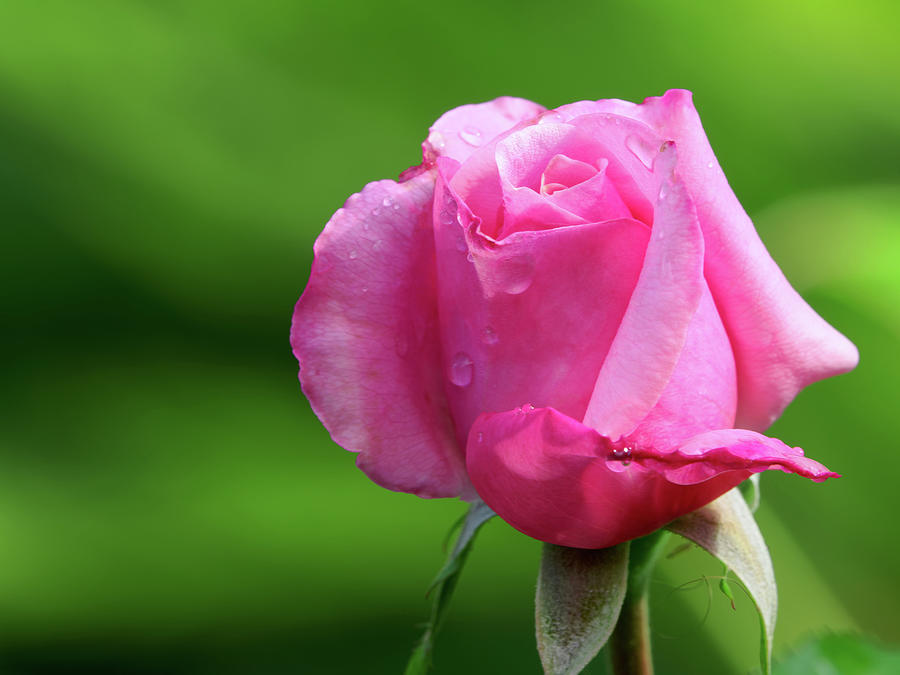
566, 313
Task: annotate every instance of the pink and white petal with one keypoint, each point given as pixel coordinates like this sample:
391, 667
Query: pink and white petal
547, 475
365, 332
532, 316
460, 131
781, 345
653, 332
702, 392
716, 452
525, 210
595, 199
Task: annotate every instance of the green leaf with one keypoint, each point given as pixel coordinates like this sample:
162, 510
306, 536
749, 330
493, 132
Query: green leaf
579, 597
444, 584
840, 655
727, 530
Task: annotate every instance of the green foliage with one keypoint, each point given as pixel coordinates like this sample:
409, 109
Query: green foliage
444, 585
840, 655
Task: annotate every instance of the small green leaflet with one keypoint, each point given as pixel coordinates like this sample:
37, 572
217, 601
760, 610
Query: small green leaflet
444, 583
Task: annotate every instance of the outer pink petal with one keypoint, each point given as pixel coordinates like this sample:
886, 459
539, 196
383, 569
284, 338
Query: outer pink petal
547, 475
366, 334
551, 477
709, 454
780, 343
532, 315
460, 131
650, 339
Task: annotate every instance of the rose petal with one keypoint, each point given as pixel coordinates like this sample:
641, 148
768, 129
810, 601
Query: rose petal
714, 452
365, 332
565, 172
534, 314
595, 199
702, 391
547, 475
780, 343
650, 339
458, 132
550, 476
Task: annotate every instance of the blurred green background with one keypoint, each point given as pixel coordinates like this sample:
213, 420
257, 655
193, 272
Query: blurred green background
169, 504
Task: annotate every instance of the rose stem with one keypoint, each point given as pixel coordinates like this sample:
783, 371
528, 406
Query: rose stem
629, 646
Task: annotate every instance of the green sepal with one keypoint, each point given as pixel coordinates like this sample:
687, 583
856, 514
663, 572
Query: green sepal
579, 597
727, 530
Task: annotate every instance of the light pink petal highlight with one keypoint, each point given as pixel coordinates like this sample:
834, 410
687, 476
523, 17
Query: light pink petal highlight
702, 392
780, 343
365, 332
650, 339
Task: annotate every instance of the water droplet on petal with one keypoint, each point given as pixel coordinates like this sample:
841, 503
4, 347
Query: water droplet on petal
481, 437
446, 218
709, 165
396, 207
387, 202
515, 274
461, 244
352, 254
461, 368
365, 289
489, 336
376, 211
378, 245
622, 454
642, 149
471, 135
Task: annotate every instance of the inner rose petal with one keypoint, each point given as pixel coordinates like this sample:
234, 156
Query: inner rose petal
595, 199
563, 172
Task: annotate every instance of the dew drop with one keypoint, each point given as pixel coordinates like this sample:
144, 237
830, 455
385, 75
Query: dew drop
396, 207
709, 165
461, 368
387, 202
642, 149
376, 211
365, 289
515, 274
489, 336
471, 135
622, 454
378, 245
353, 254
446, 218
481, 437
461, 244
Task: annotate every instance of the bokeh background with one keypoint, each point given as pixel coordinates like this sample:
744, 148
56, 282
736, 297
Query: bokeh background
168, 502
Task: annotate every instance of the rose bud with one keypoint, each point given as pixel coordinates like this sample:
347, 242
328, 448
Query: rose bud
566, 313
